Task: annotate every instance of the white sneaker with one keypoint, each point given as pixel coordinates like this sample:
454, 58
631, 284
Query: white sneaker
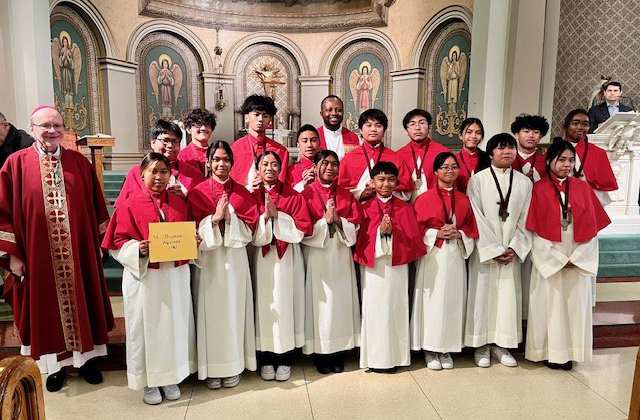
268, 373
432, 360
503, 356
446, 361
171, 392
283, 373
214, 383
152, 395
231, 382
482, 356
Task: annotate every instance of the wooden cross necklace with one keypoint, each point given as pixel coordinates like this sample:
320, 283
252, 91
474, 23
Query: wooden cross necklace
504, 201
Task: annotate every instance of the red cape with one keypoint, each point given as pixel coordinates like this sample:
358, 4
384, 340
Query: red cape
186, 173
292, 203
597, 167
131, 219
350, 140
471, 160
346, 204
354, 164
545, 216
204, 199
294, 172
244, 157
427, 167
430, 213
407, 243
61, 249
195, 156
537, 159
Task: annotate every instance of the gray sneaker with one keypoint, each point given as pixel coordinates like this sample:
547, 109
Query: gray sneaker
231, 382
171, 392
152, 395
268, 373
283, 373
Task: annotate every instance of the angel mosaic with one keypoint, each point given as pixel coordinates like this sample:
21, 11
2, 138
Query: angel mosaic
67, 64
364, 84
453, 71
166, 80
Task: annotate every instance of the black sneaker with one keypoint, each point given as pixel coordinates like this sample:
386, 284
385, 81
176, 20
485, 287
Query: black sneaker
337, 362
56, 380
91, 373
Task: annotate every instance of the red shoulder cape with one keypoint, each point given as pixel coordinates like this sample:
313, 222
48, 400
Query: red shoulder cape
243, 156
194, 156
407, 243
350, 140
430, 213
204, 199
294, 171
427, 167
346, 204
354, 164
597, 167
292, 203
545, 216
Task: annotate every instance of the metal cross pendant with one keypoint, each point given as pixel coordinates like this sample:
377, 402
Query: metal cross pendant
418, 183
332, 230
565, 224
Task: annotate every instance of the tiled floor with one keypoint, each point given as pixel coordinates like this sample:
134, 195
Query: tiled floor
600, 389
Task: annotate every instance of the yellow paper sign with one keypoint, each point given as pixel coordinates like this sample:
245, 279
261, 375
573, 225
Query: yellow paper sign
172, 241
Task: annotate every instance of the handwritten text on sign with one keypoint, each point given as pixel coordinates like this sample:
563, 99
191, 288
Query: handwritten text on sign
172, 241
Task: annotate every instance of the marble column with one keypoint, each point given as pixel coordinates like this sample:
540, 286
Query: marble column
224, 117
313, 89
118, 85
408, 93
25, 59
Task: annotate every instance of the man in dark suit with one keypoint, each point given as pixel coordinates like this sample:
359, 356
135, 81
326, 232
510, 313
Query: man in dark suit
11, 139
610, 107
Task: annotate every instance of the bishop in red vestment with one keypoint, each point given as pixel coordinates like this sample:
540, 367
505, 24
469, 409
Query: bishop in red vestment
420, 152
184, 176
333, 136
52, 215
592, 162
356, 166
200, 124
302, 173
258, 113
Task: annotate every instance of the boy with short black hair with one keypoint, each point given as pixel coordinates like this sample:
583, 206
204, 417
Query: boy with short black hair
258, 112
528, 131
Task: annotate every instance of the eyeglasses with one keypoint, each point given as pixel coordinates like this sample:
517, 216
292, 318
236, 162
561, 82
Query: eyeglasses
579, 124
168, 142
47, 127
449, 168
414, 124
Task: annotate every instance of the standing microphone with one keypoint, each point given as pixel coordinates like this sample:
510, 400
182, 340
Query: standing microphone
630, 101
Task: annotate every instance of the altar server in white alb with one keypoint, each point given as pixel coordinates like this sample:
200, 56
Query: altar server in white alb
565, 217
500, 198
449, 228
158, 312
388, 240
226, 214
332, 320
278, 269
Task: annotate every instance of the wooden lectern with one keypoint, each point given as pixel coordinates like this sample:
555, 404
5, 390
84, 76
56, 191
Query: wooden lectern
97, 142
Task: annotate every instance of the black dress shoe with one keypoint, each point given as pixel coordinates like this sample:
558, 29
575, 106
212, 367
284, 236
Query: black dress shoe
387, 370
323, 369
91, 373
56, 380
337, 362
563, 366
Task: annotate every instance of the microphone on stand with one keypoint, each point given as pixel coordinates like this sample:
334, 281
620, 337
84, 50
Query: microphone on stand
630, 101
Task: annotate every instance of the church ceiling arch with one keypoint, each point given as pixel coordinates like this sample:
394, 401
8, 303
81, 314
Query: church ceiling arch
361, 79
447, 57
167, 82
271, 70
279, 15
74, 55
